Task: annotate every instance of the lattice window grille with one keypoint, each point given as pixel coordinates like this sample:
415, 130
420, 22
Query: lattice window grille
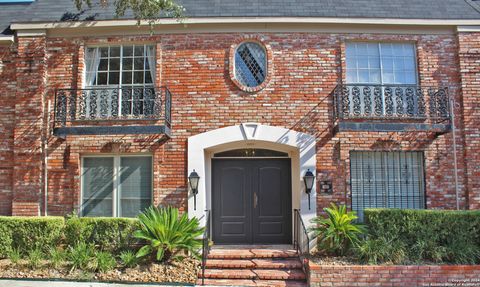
250, 64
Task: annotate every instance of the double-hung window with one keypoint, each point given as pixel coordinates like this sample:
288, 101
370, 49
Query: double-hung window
387, 180
118, 186
381, 63
119, 81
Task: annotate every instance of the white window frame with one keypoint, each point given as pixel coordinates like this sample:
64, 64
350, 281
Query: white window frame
120, 81
379, 44
116, 179
121, 71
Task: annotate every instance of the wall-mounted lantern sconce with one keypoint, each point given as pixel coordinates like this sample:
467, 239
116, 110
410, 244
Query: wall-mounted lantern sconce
309, 180
193, 179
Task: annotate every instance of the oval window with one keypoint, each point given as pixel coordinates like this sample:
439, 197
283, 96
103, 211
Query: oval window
250, 64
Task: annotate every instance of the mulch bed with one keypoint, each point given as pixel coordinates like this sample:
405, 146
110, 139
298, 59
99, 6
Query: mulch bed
329, 260
184, 271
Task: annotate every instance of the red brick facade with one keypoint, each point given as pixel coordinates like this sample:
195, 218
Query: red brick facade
394, 275
304, 68
469, 54
7, 125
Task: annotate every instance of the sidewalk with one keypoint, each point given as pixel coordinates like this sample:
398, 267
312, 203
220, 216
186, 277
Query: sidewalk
35, 283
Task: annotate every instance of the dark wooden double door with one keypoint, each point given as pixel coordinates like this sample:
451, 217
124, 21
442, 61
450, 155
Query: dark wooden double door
251, 201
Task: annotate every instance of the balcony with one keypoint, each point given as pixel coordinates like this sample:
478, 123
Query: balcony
391, 108
112, 110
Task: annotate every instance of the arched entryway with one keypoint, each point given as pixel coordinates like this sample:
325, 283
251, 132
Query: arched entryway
279, 173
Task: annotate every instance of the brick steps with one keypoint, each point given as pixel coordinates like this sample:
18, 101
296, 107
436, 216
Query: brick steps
279, 274
268, 263
251, 253
253, 267
253, 283
263, 274
229, 274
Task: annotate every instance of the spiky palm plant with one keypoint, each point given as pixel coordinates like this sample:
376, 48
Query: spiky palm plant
338, 232
168, 234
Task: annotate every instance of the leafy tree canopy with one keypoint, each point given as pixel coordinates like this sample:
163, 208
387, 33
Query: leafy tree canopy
148, 10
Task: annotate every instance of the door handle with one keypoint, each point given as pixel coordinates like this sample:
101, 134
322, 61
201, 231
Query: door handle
255, 200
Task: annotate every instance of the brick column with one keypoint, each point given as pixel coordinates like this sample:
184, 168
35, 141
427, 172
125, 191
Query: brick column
29, 125
469, 57
7, 123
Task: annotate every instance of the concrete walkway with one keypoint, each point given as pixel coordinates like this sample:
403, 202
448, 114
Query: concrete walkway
35, 283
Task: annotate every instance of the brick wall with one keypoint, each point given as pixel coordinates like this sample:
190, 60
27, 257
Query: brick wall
30, 128
305, 69
469, 55
394, 275
7, 123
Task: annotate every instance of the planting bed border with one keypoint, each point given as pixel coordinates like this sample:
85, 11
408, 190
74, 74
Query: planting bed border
394, 275
98, 281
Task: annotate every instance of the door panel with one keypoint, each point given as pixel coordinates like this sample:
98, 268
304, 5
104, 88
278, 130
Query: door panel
251, 200
272, 216
231, 202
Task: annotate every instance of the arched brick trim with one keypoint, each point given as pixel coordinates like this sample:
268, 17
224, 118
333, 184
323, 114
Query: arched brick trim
270, 70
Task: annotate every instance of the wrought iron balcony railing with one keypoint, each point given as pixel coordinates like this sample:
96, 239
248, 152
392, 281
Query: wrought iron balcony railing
77, 107
396, 102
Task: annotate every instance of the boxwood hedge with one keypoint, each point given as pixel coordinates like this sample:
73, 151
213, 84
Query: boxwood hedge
428, 235
107, 234
28, 233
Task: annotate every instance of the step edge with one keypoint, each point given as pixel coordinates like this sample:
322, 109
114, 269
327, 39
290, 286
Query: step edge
239, 257
301, 283
257, 281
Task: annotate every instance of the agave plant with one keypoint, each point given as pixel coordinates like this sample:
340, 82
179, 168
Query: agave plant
338, 232
168, 234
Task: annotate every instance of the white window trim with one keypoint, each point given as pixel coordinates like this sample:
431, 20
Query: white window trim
121, 71
116, 179
378, 43
121, 45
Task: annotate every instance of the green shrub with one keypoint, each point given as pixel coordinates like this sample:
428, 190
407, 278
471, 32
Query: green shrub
29, 233
380, 250
14, 256
461, 252
429, 235
104, 261
427, 250
168, 234
81, 256
35, 258
338, 232
56, 257
107, 234
128, 259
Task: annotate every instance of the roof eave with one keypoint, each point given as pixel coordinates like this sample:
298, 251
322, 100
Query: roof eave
6, 40
23, 25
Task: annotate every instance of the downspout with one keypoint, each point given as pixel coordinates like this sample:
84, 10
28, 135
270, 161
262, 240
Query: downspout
452, 118
45, 160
